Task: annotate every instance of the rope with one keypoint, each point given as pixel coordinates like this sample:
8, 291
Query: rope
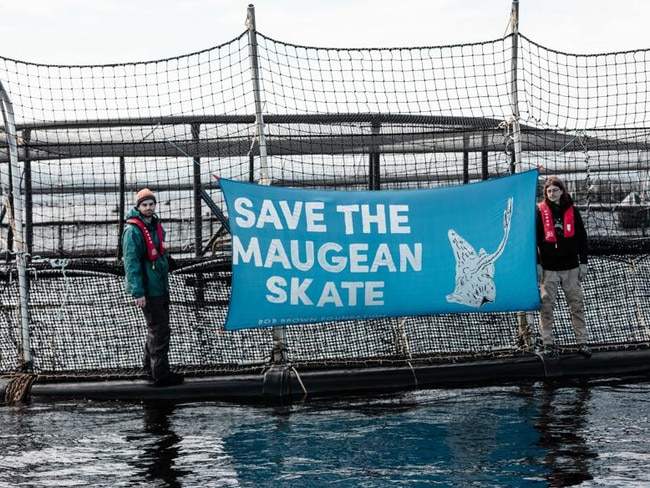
415, 378
302, 385
19, 388
543, 360
402, 339
507, 126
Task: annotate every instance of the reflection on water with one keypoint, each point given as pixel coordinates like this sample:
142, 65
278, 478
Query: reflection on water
561, 423
160, 447
554, 435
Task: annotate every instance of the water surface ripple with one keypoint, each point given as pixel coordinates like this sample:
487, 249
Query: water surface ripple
591, 434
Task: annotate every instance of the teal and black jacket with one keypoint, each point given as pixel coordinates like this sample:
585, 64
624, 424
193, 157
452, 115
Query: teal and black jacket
143, 277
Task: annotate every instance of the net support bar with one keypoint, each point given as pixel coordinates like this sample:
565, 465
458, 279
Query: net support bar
523, 318
17, 224
266, 176
279, 333
514, 89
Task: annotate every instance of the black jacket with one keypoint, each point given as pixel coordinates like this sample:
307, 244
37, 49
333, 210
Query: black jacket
567, 252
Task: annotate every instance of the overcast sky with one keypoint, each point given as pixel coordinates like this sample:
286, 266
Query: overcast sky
115, 31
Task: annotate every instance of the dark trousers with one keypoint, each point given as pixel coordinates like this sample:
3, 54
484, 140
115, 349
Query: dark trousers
156, 348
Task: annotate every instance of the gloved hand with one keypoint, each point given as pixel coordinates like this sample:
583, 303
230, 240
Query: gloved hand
582, 271
540, 273
171, 262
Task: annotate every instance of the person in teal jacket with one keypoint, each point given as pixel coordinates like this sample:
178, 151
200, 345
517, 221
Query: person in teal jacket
146, 269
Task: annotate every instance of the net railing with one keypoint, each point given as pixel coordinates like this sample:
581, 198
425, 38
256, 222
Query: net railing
342, 119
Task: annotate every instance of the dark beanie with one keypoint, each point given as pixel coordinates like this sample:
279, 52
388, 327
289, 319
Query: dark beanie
144, 195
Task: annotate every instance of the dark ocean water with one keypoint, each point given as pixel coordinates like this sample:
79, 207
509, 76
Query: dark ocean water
529, 435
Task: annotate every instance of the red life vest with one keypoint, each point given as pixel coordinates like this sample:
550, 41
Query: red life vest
152, 252
547, 222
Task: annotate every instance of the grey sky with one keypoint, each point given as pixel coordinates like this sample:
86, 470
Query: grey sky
113, 31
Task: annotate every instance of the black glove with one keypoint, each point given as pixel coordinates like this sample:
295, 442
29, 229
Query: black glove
171, 263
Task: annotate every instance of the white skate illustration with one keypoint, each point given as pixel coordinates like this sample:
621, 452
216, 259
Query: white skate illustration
475, 272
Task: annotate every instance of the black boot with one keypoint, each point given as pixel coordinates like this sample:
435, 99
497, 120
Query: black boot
170, 380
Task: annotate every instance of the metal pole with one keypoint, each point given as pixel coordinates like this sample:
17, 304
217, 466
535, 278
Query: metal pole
196, 183
121, 205
514, 96
524, 333
374, 169
265, 176
29, 201
19, 246
465, 159
279, 354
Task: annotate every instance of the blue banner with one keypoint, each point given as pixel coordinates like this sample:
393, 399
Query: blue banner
304, 256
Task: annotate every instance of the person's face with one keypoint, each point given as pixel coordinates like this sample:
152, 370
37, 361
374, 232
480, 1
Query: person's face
147, 208
553, 193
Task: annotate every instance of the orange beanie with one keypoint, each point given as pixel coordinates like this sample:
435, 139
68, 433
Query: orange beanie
144, 195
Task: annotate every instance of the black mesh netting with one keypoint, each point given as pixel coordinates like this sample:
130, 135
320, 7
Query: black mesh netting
344, 119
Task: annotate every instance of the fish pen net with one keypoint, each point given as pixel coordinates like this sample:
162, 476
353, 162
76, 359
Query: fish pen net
88, 137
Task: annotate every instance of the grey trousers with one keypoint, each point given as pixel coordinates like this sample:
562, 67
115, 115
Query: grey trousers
156, 348
570, 283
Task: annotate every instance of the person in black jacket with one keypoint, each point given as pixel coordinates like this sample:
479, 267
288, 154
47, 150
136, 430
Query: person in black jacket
561, 261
